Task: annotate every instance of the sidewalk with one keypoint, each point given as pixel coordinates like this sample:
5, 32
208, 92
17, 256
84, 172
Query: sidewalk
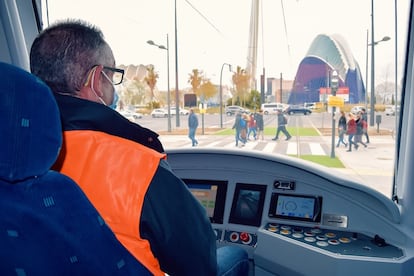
372, 166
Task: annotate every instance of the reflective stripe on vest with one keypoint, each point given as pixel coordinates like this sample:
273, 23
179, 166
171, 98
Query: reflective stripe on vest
115, 174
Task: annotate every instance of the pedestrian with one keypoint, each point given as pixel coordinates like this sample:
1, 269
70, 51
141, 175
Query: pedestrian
260, 124
240, 126
244, 127
351, 131
341, 129
192, 127
281, 126
252, 126
116, 163
359, 131
365, 124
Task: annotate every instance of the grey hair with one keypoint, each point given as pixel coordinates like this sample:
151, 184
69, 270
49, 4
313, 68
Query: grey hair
63, 54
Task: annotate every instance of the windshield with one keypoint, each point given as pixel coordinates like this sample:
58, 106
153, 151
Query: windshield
329, 56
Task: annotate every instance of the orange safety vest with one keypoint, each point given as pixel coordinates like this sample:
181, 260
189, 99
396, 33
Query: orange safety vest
115, 174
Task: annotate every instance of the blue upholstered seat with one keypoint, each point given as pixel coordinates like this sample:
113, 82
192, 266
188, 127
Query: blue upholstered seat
47, 225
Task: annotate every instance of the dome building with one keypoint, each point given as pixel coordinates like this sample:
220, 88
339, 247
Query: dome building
327, 53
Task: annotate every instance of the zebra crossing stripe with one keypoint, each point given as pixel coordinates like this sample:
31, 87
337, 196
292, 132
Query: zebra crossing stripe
251, 144
292, 148
316, 149
288, 148
214, 143
269, 147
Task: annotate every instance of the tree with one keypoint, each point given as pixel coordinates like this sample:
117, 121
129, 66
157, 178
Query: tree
208, 90
133, 92
195, 79
241, 85
151, 80
201, 86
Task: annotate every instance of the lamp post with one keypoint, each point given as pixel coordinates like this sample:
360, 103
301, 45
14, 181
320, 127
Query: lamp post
177, 98
150, 42
334, 87
373, 43
221, 93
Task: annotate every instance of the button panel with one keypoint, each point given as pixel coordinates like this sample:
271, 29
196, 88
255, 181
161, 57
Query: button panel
340, 242
244, 238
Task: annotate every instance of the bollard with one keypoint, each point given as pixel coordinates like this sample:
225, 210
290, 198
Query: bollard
378, 121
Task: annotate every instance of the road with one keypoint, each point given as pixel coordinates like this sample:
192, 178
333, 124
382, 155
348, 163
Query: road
318, 120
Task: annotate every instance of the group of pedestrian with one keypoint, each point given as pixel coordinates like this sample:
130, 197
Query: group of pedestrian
355, 127
246, 125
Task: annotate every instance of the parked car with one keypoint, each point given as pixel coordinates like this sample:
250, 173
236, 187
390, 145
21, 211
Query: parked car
233, 109
272, 108
132, 116
183, 111
310, 105
390, 110
159, 113
298, 109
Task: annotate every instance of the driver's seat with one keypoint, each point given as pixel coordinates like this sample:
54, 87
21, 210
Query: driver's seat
47, 225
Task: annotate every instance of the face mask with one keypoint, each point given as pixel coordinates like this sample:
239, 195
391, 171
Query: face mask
114, 99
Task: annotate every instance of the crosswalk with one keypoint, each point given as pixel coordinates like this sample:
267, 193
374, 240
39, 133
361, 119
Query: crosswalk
301, 146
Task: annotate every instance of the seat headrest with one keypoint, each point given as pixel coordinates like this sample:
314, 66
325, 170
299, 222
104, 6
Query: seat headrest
30, 128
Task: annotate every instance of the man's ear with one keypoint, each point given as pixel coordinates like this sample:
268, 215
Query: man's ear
91, 90
96, 81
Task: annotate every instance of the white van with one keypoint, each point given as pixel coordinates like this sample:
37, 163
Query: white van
272, 108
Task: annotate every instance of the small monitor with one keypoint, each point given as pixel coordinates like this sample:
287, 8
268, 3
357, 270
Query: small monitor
211, 194
247, 206
296, 207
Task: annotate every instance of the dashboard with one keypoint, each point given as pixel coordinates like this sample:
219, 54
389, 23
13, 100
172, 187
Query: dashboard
292, 217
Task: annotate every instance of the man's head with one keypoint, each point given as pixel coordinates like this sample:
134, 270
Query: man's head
72, 57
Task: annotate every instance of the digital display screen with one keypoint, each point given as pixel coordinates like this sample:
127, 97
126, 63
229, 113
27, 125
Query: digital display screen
211, 194
298, 207
247, 206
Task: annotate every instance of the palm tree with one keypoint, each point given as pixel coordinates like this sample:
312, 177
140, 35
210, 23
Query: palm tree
241, 84
195, 79
151, 80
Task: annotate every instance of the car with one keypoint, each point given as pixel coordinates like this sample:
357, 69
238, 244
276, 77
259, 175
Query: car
272, 108
159, 113
183, 111
233, 109
132, 116
356, 109
310, 105
390, 110
298, 109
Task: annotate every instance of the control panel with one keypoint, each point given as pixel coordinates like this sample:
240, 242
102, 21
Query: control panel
340, 242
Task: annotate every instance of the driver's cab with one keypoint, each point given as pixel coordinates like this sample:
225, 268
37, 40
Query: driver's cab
291, 216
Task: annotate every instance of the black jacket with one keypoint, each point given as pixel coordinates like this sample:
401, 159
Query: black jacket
82, 114
172, 220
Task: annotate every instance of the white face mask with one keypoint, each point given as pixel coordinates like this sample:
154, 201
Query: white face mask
115, 98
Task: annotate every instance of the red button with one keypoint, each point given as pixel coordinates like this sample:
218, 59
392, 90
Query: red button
245, 237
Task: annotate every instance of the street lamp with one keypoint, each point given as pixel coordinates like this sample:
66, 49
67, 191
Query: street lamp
373, 43
177, 99
372, 102
334, 87
221, 93
150, 42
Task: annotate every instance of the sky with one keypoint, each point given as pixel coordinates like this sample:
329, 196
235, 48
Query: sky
211, 33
